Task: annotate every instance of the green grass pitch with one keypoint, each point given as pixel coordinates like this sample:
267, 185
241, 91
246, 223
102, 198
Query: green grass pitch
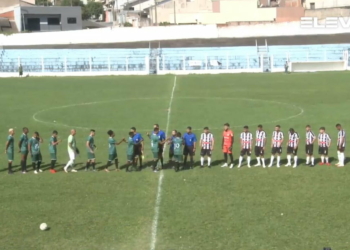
201, 209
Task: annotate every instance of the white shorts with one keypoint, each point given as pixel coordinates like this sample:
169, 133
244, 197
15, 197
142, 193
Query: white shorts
71, 155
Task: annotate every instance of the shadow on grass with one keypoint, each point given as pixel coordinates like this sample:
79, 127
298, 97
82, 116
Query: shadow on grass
13, 168
168, 165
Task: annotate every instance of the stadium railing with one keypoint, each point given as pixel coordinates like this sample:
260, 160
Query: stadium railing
204, 64
89, 62
135, 65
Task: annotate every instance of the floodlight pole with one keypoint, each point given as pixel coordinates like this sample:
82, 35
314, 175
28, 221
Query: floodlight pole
155, 9
115, 13
20, 9
174, 11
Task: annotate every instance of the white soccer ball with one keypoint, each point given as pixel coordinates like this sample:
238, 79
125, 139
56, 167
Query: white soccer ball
54, 121
43, 226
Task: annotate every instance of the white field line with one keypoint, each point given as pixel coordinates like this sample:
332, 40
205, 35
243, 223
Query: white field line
301, 110
82, 104
160, 180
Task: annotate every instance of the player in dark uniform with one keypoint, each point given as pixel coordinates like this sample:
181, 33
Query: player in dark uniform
20, 70
161, 145
23, 149
40, 155
90, 147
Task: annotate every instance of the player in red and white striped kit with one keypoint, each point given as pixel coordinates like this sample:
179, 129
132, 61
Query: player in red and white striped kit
276, 145
260, 143
340, 146
246, 146
292, 148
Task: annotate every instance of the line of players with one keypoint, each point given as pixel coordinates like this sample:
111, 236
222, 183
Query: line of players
179, 146
277, 140
135, 147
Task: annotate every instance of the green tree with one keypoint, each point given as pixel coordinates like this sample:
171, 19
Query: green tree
94, 9
127, 24
72, 3
43, 2
84, 11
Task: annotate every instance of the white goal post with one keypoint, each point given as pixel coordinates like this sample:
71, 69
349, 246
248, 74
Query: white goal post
317, 66
314, 66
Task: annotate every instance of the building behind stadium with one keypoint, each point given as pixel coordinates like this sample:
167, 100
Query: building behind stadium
24, 15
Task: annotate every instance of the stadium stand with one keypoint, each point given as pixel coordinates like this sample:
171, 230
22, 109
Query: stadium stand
247, 57
202, 58
73, 60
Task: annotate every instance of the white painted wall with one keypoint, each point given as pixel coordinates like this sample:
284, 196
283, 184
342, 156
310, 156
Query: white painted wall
108, 35
201, 11
322, 4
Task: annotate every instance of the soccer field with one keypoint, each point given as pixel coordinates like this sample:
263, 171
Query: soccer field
205, 209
